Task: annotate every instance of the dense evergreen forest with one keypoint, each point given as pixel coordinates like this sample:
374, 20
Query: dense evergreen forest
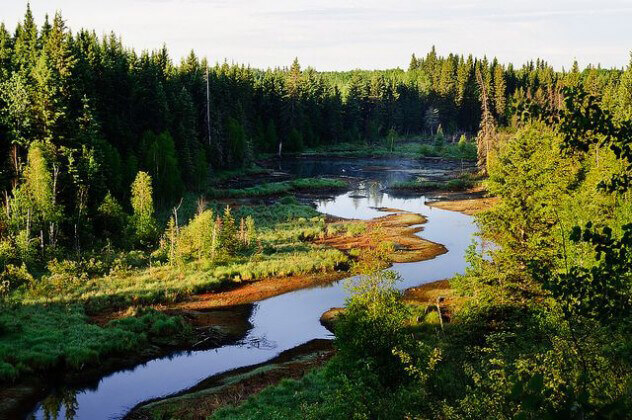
100, 112
97, 139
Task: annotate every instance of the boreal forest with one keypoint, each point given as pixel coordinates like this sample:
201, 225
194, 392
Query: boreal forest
153, 209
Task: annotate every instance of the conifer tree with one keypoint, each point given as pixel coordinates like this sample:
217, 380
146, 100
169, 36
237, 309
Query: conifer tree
500, 91
414, 64
40, 182
6, 53
228, 238
25, 46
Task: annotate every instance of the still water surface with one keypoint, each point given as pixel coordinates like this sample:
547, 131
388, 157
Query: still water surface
285, 321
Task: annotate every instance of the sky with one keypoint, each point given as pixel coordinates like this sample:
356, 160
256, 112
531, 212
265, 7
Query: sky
350, 34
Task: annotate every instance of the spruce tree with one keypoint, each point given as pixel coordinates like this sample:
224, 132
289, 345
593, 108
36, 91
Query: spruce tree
500, 92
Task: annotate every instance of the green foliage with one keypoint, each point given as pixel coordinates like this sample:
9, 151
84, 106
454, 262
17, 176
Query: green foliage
372, 326
602, 291
38, 183
162, 164
544, 332
15, 115
35, 339
227, 237
13, 277
143, 205
295, 141
237, 143
283, 187
533, 179
112, 219
461, 183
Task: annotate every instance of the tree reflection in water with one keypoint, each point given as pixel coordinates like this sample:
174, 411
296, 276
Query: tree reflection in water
65, 398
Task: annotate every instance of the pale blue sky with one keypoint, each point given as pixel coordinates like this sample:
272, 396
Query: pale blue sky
338, 35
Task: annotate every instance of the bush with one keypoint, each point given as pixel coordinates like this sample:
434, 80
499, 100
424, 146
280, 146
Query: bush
111, 220
13, 277
374, 324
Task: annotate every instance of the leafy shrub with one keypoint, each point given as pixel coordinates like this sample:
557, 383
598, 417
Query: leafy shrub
13, 277
111, 219
374, 324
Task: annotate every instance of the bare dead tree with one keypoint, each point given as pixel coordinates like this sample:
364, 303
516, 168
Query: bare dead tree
208, 108
201, 204
175, 215
487, 130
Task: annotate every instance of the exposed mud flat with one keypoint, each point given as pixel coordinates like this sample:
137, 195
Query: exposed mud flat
470, 202
399, 228
329, 318
249, 292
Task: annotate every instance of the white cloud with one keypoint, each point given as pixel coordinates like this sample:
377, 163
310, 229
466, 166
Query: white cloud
330, 34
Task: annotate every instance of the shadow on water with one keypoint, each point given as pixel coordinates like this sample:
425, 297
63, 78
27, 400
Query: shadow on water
285, 321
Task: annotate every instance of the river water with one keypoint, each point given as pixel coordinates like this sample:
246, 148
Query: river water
283, 322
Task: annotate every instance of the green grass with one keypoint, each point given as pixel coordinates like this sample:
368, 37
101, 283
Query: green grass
457, 184
38, 338
289, 399
280, 188
45, 326
224, 175
283, 230
405, 147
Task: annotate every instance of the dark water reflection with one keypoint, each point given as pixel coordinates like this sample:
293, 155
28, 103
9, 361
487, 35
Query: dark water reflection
285, 321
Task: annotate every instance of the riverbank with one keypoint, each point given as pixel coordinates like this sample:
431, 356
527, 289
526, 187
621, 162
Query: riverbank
194, 330
289, 231
229, 323
471, 201
237, 385
423, 297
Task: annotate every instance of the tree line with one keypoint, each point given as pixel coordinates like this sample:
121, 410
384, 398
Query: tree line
81, 115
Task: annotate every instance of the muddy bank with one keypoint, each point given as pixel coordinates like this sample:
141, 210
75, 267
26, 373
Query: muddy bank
399, 228
256, 291
426, 294
470, 202
329, 318
234, 387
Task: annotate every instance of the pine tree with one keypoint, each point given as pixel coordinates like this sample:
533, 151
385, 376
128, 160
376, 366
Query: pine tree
414, 64
25, 47
487, 131
500, 92
228, 234
6, 53
270, 136
624, 95
53, 91
293, 89
162, 164
40, 183
251, 233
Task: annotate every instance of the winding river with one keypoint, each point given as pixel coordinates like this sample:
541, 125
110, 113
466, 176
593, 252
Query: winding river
285, 321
